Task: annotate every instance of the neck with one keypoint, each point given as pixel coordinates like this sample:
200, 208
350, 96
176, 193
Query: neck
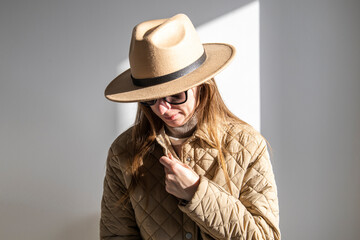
183, 131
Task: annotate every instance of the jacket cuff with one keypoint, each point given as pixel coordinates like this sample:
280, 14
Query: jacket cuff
190, 206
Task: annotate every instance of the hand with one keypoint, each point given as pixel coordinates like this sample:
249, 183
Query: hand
180, 180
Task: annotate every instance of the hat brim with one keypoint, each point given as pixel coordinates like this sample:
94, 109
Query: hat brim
218, 56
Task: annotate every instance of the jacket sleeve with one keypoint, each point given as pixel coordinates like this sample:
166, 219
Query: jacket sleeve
117, 221
253, 214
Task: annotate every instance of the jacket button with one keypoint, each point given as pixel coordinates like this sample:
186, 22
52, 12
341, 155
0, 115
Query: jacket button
188, 159
188, 235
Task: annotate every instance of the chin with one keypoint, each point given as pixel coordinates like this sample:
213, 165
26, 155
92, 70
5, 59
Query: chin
175, 123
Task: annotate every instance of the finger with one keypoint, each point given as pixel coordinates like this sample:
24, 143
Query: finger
169, 177
175, 160
167, 171
166, 162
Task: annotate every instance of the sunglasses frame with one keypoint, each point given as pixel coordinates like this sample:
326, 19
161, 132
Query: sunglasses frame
164, 98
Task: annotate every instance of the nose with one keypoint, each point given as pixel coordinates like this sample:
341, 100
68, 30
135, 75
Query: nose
163, 106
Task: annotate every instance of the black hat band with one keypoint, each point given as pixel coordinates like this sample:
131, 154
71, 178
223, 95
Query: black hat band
146, 82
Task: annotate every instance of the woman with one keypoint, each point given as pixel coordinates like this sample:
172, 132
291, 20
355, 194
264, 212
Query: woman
188, 168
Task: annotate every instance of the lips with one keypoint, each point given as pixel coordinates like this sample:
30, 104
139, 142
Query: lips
172, 117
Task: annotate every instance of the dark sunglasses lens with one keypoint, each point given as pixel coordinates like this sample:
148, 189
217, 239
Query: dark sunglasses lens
177, 98
173, 99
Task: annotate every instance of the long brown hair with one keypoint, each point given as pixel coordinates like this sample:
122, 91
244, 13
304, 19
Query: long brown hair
211, 112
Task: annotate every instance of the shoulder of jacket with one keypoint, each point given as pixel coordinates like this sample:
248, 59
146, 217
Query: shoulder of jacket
243, 132
122, 143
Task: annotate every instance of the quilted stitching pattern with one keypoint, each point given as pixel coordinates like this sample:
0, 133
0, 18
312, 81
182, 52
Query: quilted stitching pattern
158, 212
250, 213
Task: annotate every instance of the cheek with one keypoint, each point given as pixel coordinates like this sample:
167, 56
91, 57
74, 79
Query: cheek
154, 110
190, 109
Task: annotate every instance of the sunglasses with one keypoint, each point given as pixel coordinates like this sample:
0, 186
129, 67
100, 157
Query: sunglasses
175, 99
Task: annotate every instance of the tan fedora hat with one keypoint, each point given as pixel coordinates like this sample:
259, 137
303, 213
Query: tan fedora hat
167, 57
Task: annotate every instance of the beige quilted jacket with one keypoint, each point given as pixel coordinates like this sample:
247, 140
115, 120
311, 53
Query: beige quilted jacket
251, 212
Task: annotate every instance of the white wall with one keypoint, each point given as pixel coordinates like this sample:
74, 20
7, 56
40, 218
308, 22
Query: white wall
239, 83
310, 96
